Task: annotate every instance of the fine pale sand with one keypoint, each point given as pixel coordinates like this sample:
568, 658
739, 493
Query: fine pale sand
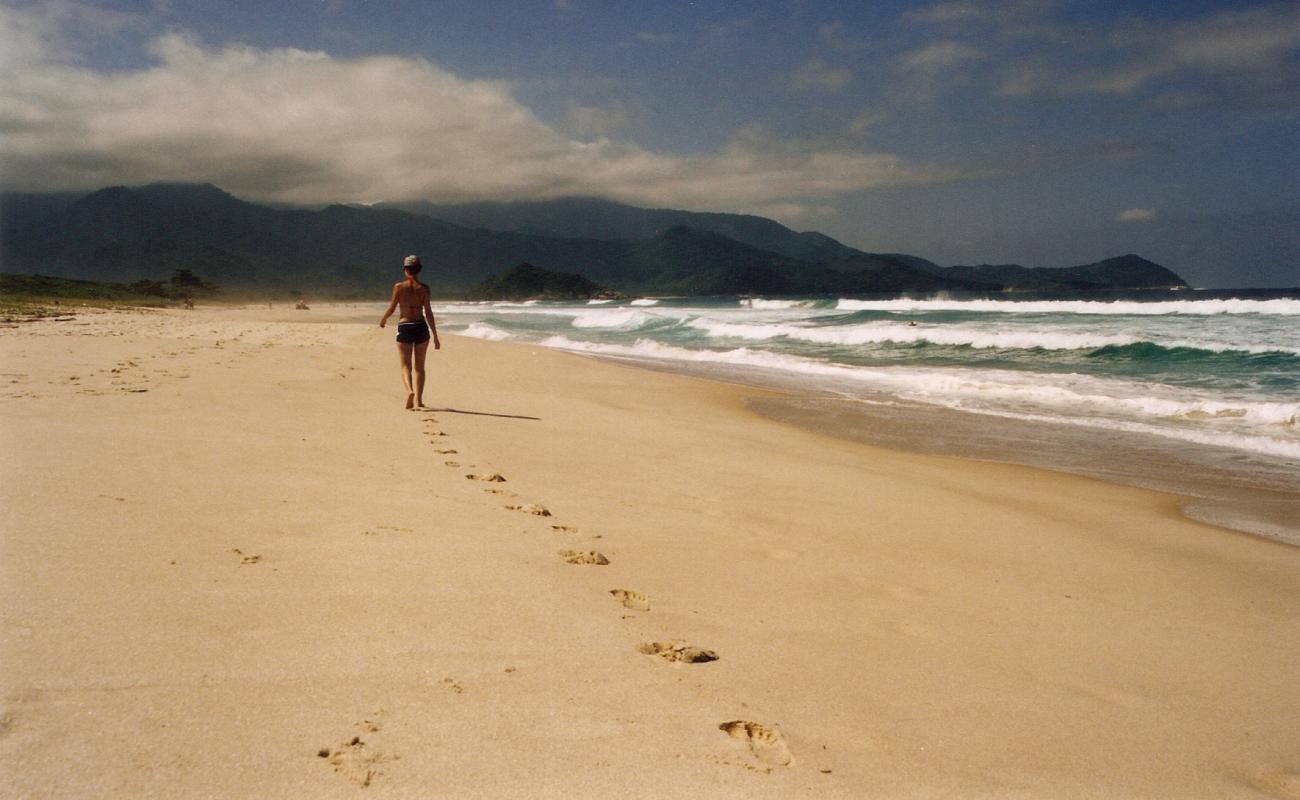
233, 566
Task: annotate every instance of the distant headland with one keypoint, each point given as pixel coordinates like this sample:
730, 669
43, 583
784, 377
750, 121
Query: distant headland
126, 235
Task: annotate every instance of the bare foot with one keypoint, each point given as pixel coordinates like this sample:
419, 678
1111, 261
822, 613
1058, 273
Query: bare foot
410, 401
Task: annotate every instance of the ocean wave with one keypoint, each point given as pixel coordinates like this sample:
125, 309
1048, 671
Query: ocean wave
1279, 307
761, 304
893, 333
644, 301
482, 330
599, 302
1263, 356
1078, 398
1119, 345
512, 304
618, 319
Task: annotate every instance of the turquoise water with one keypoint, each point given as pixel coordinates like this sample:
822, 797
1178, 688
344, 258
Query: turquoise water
1220, 371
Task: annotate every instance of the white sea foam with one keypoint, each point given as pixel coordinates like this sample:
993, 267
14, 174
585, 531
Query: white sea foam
760, 304
1283, 306
617, 318
1024, 337
509, 304
1259, 426
598, 302
645, 301
1236, 441
482, 330
886, 332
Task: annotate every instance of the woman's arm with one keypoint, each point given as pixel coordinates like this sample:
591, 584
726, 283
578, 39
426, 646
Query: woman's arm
433, 326
391, 306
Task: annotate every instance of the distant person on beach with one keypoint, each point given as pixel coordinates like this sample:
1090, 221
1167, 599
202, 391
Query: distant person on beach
413, 329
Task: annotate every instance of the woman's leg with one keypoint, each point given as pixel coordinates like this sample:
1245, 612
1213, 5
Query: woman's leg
420, 350
404, 351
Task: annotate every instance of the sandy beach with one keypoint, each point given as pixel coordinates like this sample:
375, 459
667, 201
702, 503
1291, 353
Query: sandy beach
233, 566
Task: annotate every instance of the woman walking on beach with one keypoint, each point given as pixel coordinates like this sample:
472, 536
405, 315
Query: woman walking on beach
413, 329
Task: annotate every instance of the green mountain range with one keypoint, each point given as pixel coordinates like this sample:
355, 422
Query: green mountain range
122, 234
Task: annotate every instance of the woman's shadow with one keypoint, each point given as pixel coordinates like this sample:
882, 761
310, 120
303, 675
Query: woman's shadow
477, 413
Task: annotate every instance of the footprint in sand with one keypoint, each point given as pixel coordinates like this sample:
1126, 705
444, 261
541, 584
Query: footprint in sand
378, 529
579, 557
564, 529
355, 761
451, 463
631, 599
766, 744
490, 477
245, 560
534, 509
669, 651
451, 685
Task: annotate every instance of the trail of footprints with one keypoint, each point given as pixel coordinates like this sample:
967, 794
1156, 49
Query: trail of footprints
359, 763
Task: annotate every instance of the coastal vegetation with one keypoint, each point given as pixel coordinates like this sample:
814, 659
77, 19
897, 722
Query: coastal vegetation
529, 282
27, 296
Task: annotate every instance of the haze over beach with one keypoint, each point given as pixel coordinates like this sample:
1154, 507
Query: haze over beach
832, 400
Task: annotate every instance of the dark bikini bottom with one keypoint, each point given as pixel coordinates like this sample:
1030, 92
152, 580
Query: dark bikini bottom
412, 332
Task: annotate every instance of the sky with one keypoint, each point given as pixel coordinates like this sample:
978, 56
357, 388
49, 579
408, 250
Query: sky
1041, 132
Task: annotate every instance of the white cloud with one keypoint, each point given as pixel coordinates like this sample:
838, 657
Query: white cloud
297, 126
939, 56
1137, 215
588, 122
926, 72
819, 76
866, 120
947, 13
1254, 44
837, 37
795, 215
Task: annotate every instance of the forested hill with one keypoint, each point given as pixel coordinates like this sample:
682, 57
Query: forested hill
126, 234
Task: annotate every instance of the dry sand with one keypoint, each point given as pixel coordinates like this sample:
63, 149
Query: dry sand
232, 566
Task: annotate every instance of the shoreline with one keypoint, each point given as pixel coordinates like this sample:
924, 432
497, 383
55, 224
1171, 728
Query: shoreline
228, 551
1268, 507
1207, 494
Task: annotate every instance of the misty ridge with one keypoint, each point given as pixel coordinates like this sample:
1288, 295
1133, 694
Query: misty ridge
121, 234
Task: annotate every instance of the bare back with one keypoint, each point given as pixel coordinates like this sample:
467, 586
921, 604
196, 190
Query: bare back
411, 300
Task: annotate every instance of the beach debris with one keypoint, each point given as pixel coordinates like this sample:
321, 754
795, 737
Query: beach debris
564, 529
631, 599
446, 451
670, 651
534, 509
452, 463
579, 557
766, 744
490, 477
